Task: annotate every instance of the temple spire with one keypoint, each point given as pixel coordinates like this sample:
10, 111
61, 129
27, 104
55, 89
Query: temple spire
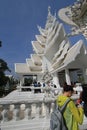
50, 19
49, 13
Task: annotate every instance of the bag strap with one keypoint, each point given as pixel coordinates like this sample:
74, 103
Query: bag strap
65, 104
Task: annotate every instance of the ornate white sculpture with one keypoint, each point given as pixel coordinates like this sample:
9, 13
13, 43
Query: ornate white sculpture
76, 15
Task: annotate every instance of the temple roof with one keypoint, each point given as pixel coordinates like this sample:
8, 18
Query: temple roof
75, 58
42, 31
41, 39
37, 60
52, 47
32, 66
52, 32
61, 47
23, 68
37, 47
57, 38
61, 57
73, 52
77, 53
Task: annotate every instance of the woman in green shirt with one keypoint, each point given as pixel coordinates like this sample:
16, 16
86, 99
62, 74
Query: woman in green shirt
73, 115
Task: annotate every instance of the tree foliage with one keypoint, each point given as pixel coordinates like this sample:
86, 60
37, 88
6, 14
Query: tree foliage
0, 43
3, 68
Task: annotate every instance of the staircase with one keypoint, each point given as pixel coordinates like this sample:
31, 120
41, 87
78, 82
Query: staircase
34, 124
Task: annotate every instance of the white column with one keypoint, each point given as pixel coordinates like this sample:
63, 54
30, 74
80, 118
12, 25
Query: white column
67, 76
39, 78
21, 80
85, 74
56, 79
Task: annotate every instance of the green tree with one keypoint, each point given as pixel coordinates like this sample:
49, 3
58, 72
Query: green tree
0, 43
3, 79
3, 68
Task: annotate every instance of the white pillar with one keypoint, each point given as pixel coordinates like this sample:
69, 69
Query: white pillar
56, 80
21, 80
67, 76
85, 75
39, 78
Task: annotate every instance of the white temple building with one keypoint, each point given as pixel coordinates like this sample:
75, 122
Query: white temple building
54, 59
52, 49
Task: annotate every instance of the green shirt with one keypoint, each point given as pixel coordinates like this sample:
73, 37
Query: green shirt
73, 115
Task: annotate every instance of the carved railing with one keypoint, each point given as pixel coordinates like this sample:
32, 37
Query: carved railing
24, 110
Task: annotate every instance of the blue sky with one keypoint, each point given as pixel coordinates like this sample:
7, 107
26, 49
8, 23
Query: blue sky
18, 26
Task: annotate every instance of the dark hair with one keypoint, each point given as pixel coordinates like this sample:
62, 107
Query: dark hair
84, 93
68, 88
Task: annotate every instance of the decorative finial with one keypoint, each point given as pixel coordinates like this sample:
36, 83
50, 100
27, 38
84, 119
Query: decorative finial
49, 8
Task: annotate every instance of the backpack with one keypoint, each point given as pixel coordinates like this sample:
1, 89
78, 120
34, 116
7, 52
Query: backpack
57, 120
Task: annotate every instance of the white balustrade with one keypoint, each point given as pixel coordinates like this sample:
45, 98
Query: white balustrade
25, 111
36, 108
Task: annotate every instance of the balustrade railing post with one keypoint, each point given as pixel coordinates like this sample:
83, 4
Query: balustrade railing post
27, 111
22, 111
33, 110
16, 112
37, 111
43, 109
10, 112
5, 113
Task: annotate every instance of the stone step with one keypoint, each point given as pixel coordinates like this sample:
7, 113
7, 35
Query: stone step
34, 124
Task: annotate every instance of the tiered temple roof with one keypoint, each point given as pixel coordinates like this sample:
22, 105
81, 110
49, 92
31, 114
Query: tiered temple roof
51, 48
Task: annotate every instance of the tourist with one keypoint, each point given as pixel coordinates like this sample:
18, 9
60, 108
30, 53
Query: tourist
43, 84
35, 85
39, 85
83, 96
73, 114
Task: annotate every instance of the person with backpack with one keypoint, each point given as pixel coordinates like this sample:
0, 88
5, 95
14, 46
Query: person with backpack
83, 97
73, 115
